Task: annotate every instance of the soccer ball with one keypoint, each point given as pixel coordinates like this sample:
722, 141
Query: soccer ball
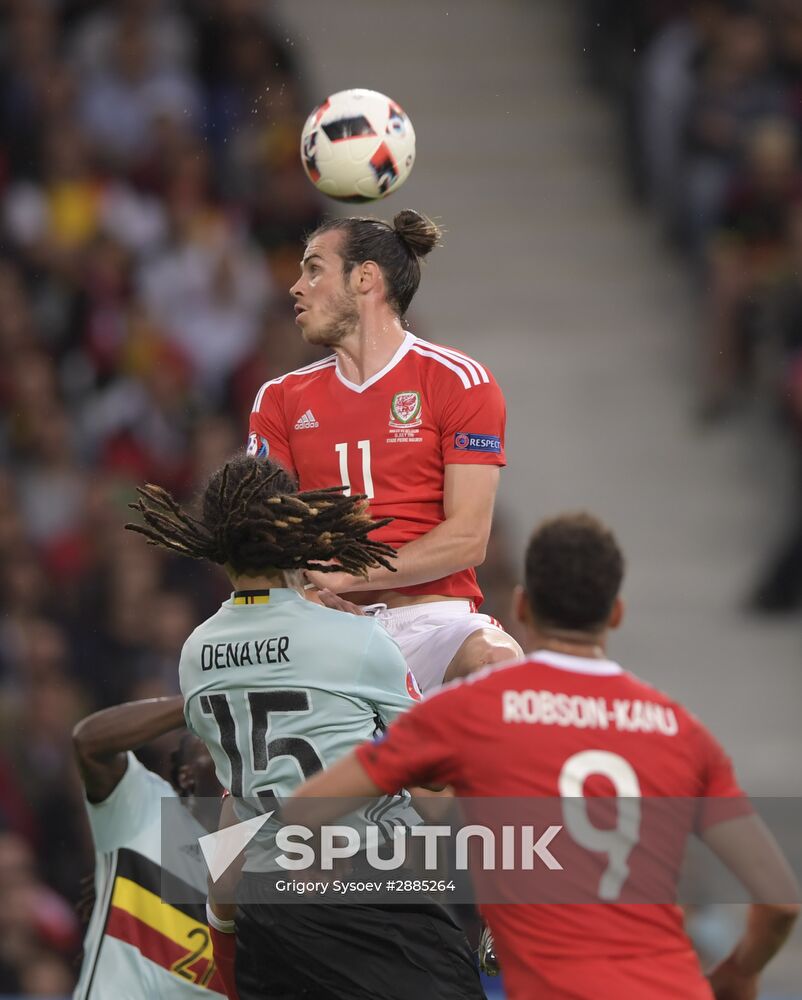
358, 146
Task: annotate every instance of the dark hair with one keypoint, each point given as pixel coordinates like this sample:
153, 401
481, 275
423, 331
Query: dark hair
397, 249
254, 520
574, 570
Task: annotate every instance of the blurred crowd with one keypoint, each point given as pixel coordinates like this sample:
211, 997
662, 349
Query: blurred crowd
709, 98
152, 208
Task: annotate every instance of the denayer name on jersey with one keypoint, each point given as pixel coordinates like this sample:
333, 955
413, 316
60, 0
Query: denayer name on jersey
245, 654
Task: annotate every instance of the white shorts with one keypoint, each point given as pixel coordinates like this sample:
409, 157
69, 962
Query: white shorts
429, 635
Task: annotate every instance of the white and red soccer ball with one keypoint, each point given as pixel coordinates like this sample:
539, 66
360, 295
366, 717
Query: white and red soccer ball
358, 145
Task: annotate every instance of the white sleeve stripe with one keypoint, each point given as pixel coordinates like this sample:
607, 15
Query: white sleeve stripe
457, 360
308, 370
467, 366
444, 361
470, 363
483, 373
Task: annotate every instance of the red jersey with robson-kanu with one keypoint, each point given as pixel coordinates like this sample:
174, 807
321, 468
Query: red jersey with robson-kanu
390, 438
555, 727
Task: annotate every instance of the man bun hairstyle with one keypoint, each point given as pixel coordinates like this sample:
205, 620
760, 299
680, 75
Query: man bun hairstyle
254, 520
420, 234
397, 249
574, 569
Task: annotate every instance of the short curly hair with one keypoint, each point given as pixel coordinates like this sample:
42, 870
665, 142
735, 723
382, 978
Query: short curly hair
574, 569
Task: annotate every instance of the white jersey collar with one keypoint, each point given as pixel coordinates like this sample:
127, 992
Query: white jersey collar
576, 664
402, 351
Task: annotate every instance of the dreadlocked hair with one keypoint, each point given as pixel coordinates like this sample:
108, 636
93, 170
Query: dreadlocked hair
254, 520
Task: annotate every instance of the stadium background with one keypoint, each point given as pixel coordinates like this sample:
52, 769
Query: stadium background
583, 157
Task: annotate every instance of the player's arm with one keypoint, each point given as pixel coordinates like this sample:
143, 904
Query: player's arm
220, 913
767, 929
332, 793
739, 838
458, 542
419, 748
102, 741
749, 850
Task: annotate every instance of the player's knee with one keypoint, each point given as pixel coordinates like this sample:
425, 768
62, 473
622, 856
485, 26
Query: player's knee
482, 649
496, 647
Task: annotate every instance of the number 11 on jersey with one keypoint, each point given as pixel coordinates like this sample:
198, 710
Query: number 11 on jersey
345, 479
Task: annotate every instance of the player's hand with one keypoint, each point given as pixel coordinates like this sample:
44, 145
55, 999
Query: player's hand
338, 603
728, 982
311, 593
336, 583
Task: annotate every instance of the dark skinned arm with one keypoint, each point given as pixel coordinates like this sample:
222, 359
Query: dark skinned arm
102, 741
748, 848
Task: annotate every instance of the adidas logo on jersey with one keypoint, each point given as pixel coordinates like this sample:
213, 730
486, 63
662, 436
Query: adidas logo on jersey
306, 421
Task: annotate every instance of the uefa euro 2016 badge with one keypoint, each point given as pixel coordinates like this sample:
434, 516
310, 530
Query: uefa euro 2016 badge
405, 416
257, 446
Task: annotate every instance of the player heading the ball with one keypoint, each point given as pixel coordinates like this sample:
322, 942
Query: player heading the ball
417, 427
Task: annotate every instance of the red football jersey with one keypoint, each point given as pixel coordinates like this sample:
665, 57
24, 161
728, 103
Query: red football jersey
390, 437
549, 726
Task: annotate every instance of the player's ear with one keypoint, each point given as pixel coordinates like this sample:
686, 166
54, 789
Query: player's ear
617, 613
368, 276
185, 779
520, 606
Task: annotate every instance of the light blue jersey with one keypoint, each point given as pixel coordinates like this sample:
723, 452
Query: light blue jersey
279, 687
